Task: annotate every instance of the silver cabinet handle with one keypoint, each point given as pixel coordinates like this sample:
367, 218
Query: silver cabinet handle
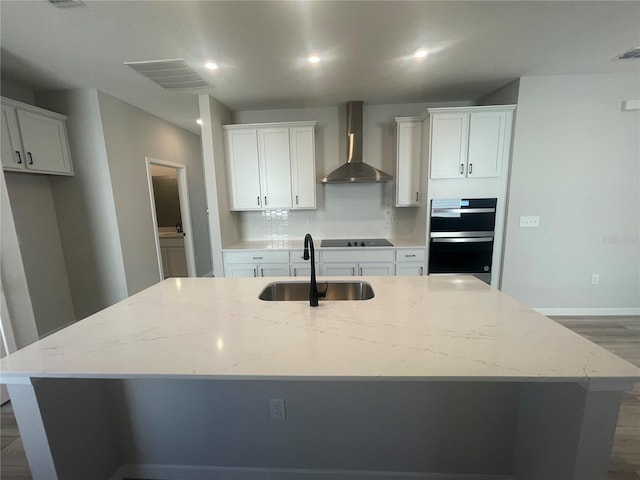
353, 271
421, 271
262, 272
265, 200
258, 200
461, 168
360, 271
255, 272
295, 272
410, 255
416, 196
19, 157
257, 258
470, 168
296, 199
30, 158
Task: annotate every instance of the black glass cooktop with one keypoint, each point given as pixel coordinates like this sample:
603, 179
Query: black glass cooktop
358, 242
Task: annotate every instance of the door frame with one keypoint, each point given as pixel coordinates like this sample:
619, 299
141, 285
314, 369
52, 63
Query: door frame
185, 213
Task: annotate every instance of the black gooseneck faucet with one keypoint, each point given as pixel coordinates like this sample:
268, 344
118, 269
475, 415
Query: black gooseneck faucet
313, 286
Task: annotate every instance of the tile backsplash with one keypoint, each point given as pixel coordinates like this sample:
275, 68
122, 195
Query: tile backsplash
343, 211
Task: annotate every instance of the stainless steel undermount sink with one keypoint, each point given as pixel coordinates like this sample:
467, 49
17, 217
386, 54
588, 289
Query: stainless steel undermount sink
299, 291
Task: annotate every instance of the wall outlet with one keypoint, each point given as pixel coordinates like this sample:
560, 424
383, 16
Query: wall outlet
595, 278
529, 222
277, 410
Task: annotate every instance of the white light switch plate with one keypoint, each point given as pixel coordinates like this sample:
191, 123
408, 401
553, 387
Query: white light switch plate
530, 222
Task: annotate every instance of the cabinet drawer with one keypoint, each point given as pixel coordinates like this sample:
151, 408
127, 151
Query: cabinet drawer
410, 255
357, 255
257, 256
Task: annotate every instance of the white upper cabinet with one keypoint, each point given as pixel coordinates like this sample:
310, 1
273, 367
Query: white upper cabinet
469, 142
275, 167
303, 167
271, 165
34, 140
408, 160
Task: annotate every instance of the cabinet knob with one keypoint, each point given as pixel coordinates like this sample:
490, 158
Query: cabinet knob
30, 158
19, 157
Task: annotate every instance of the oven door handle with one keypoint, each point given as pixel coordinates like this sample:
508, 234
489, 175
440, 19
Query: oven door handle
462, 240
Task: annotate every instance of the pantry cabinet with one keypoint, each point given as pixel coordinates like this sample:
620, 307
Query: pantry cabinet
271, 165
34, 140
408, 161
469, 142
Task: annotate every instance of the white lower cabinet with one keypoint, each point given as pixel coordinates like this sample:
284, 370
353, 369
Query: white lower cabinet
256, 263
350, 262
410, 262
174, 259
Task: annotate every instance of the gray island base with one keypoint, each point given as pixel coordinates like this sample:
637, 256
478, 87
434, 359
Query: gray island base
434, 378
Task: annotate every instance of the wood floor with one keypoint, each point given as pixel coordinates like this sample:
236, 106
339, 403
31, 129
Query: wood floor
620, 335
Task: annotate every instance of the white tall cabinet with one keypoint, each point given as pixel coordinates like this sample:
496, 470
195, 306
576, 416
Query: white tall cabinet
408, 161
469, 142
271, 165
34, 140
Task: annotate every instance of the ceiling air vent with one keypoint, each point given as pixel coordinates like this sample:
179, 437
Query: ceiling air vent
66, 3
632, 54
170, 74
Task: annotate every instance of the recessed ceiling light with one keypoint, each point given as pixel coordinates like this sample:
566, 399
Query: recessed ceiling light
199, 121
314, 59
211, 66
420, 53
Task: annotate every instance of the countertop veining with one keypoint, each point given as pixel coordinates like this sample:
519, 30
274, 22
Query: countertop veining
418, 328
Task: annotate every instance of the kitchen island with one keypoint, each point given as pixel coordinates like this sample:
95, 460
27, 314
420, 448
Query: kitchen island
434, 377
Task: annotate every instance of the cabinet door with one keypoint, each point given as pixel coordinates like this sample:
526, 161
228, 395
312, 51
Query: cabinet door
166, 269
408, 164
273, 270
244, 169
486, 143
409, 269
303, 270
177, 261
339, 269
12, 152
376, 269
241, 270
449, 136
45, 143
303, 167
275, 166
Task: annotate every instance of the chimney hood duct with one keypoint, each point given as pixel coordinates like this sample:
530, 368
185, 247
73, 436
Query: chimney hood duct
355, 170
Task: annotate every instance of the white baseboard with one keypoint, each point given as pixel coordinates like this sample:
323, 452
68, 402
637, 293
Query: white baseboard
184, 472
588, 312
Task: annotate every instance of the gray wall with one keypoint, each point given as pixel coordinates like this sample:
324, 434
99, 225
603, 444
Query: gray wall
41, 249
130, 135
576, 164
85, 206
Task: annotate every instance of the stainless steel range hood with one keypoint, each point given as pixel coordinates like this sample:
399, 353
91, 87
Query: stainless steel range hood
355, 170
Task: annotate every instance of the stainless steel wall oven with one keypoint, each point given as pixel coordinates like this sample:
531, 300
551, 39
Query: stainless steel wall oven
461, 236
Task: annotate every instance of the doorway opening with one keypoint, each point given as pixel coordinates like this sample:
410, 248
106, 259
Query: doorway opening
169, 196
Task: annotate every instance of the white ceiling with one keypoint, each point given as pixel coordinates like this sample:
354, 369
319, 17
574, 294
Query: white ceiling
261, 48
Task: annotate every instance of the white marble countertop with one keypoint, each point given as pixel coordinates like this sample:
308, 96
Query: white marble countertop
296, 244
415, 328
